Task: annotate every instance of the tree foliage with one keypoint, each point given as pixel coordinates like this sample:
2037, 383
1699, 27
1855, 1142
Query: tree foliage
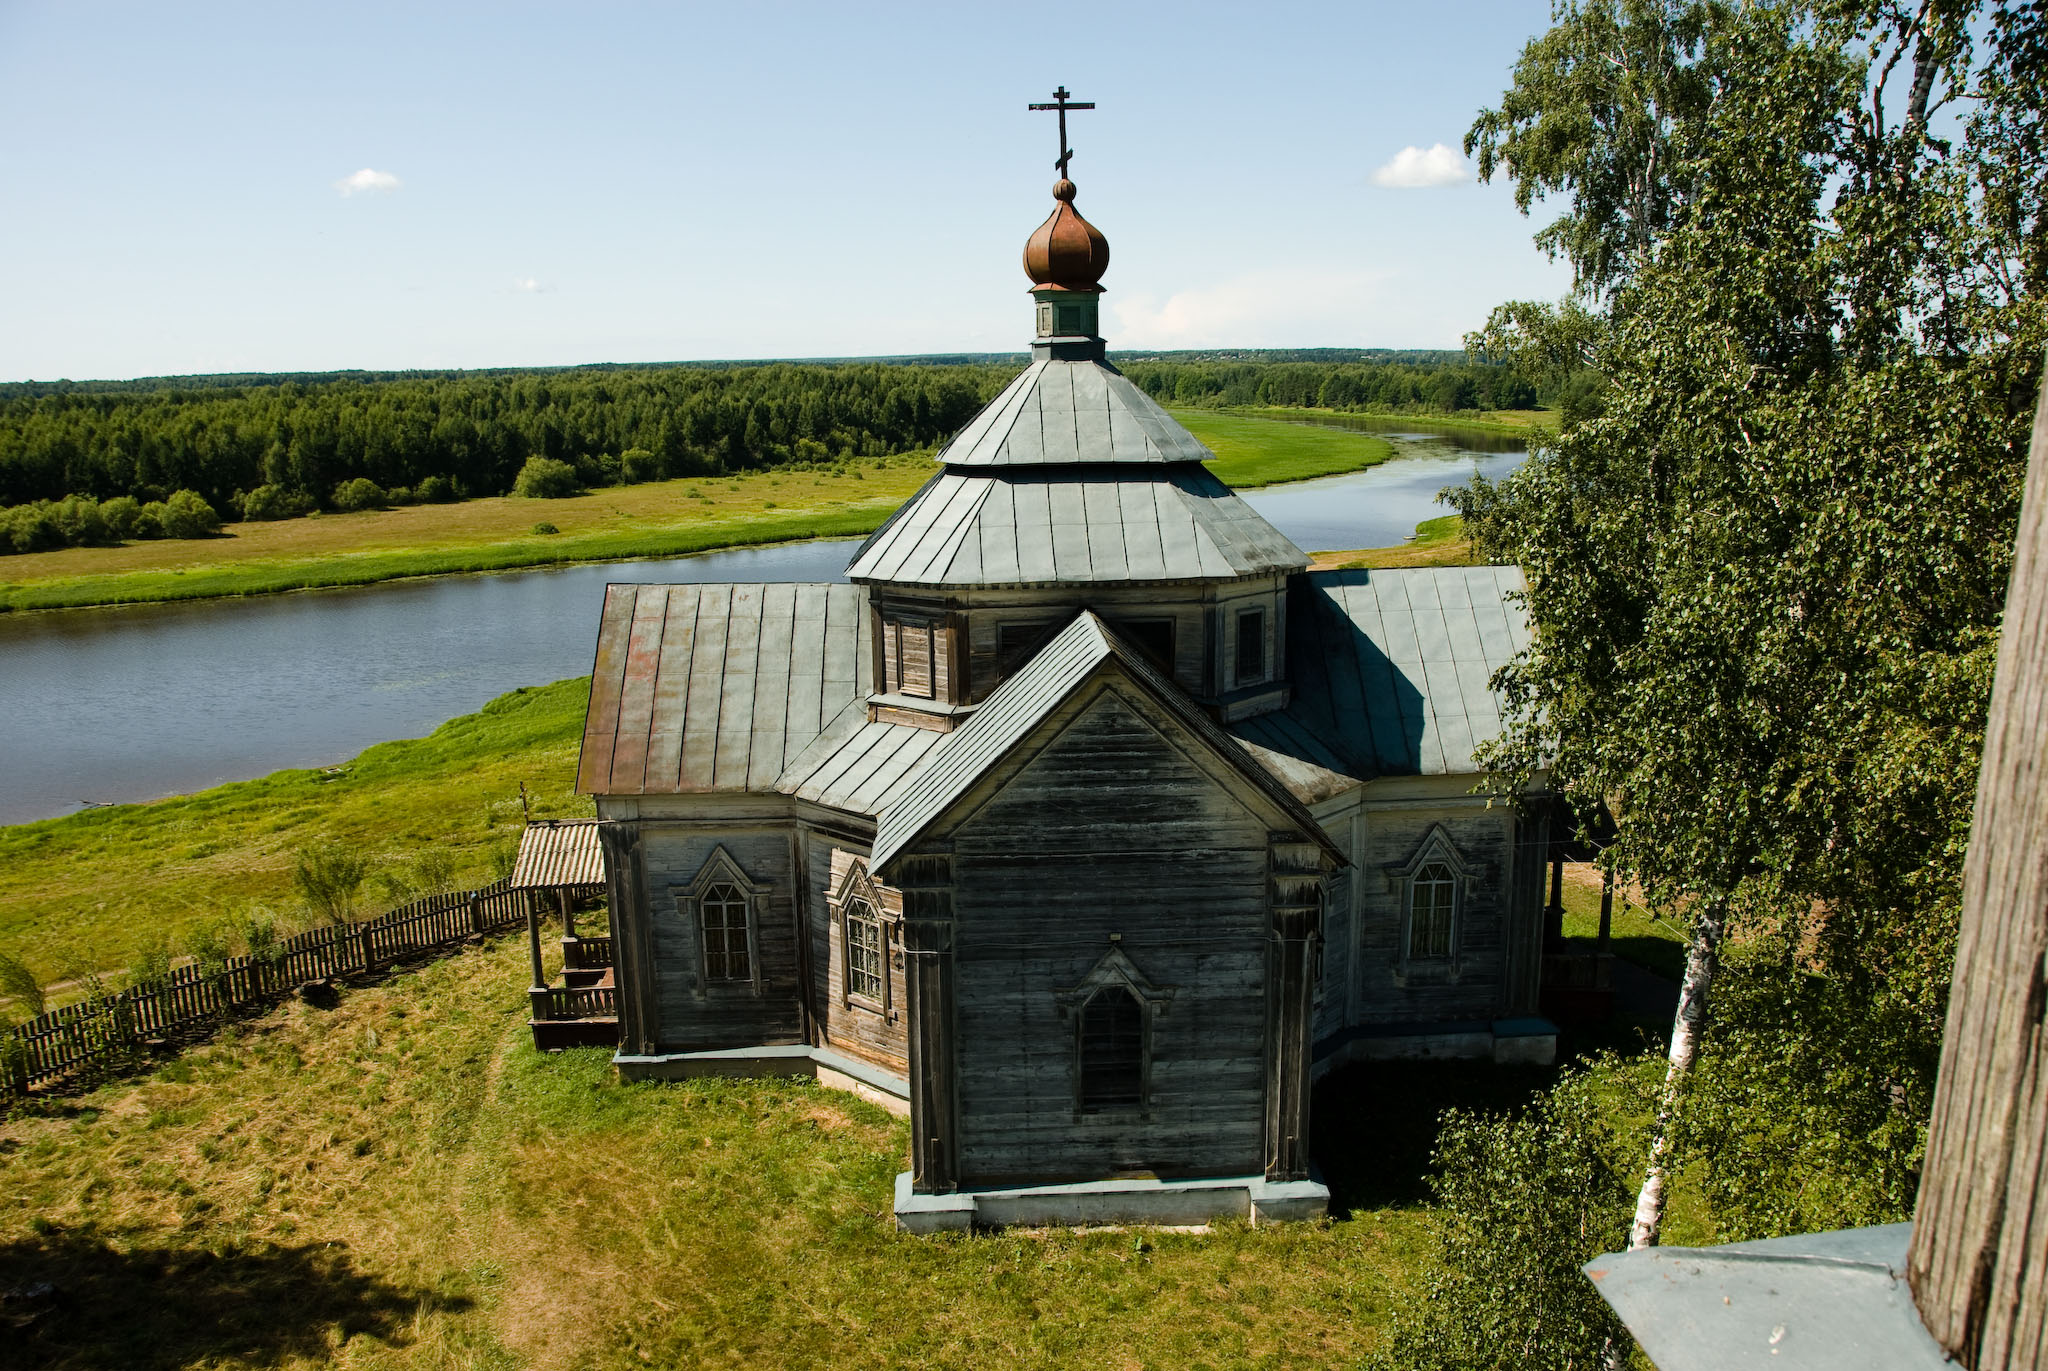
1525, 1201
1766, 571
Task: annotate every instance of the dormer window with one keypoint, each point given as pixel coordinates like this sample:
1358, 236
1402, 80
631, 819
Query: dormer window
917, 656
1251, 646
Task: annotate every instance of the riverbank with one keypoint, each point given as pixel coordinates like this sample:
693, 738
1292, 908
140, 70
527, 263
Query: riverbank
99, 887
1437, 542
619, 523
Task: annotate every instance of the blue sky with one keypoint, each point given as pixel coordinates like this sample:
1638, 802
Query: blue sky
556, 184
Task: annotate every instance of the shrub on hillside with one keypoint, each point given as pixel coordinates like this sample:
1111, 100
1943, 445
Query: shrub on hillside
544, 478
149, 520
361, 493
274, 502
437, 490
637, 464
328, 876
187, 515
29, 528
121, 513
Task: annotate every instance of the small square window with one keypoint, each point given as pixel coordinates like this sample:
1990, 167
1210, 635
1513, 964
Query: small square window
1251, 646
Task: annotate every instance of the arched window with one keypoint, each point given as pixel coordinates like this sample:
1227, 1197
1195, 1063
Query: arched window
863, 951
1112, 1051
1432, 896
723, 908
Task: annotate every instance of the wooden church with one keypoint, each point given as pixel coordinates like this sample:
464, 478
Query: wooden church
1083, 823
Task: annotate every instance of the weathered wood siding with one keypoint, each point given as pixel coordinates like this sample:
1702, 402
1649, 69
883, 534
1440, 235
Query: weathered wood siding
691, 1013
1110, 828
1475, 986
844, 1024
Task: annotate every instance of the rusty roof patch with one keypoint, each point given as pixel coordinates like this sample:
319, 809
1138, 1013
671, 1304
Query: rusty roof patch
558, 852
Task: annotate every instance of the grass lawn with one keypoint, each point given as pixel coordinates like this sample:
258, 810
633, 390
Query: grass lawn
1654, 944
1253, 452
1519, 422
1437, 542
96, 886
404, 1180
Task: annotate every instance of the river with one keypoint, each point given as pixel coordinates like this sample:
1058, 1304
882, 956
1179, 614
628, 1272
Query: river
139, 701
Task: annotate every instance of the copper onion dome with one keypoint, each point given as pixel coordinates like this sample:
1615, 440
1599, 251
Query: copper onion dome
1067, 252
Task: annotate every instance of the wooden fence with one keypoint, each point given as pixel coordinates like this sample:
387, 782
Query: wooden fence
197, 996
580, 1002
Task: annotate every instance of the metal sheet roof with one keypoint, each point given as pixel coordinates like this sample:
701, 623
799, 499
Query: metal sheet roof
558, 852
1071, 411
859, 766
1074, 526
718, 687
1817, 1302
1020, 703
1390, 670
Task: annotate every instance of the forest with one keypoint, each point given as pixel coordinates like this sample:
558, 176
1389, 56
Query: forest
95, 462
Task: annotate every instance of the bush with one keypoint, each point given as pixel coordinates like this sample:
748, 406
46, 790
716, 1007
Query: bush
1525, 1201
79, 520
359, 494
438, 490
328, 876
121, 513
544, 528
187, 515
637, 464
29, 528
149, 520
274, 502
544, 478
399, 495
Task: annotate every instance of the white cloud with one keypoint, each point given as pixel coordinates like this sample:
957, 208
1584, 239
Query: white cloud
528, 285
1439, 164
368, 182
1301, 307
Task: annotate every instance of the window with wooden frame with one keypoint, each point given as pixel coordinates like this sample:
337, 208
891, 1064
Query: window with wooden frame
1432, 900
866, 969
1112, 1067
724, 908
860, 925
1251, 646
727, 956
1432, 886
1113, 1010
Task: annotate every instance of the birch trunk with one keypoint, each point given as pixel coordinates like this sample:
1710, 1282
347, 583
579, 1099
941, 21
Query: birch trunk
1701, 959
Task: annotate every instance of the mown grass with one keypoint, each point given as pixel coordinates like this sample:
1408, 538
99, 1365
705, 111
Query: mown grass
94, 887
1437, 542
1654, 944
1252, 452
404, 1180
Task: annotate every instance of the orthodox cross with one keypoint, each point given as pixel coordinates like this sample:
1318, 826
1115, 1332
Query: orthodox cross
1063, 105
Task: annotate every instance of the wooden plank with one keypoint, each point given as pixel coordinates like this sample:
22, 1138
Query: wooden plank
1979, 1258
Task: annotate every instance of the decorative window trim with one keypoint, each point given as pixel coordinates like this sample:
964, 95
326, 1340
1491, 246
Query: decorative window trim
1435, 849
720, 869
1116, 971
857, 884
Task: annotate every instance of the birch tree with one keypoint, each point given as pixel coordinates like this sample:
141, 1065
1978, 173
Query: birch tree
1765, 578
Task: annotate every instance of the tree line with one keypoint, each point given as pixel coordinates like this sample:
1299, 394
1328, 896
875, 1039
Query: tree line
472, 432
1441, 387
96, 462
